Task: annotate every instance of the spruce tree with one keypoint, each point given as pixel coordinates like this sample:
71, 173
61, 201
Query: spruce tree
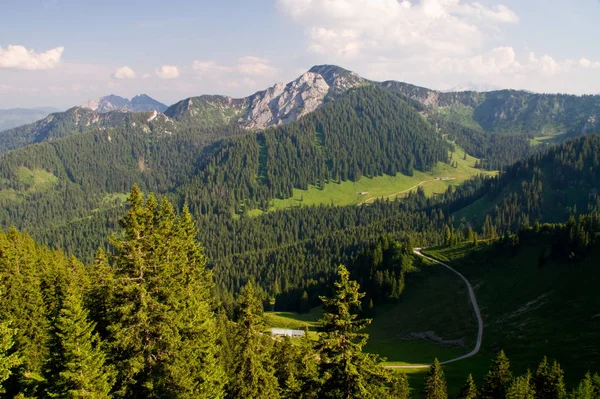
469, 390
435, 382
585, 389
287, 361
521, 388
254, 373
549, 381
22, 302
8, 358
345, 371
162, 328
82, 370
497, 379
400, 388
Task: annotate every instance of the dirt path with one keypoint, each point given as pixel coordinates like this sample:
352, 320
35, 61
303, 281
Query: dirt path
475, 308
398, 193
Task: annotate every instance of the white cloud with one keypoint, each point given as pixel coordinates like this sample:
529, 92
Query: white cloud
248, 66
254, 66
124, 73
351, 28
208, 69
167, 72
18, 57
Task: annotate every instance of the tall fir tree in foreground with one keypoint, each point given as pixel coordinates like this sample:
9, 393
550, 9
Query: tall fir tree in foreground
253, 375
521, 388
82, 371
22, 264
497, 379
345, 371
435, 382
161, 325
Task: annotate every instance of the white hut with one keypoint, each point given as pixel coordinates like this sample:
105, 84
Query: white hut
283, 332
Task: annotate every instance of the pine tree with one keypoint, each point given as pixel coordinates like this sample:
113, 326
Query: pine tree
549, 381
162, 328
345, 371
585, 389
435, 382
253, 375
497, 379
469, 390
8, 358
521, 388
400, 388
82, 370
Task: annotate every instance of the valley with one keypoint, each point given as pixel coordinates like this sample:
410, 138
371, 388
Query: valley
258, 200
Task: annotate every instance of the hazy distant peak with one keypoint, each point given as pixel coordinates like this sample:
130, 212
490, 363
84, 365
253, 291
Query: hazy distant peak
112, 102
470, 86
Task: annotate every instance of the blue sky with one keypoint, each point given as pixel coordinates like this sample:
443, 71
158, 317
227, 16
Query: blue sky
63, 52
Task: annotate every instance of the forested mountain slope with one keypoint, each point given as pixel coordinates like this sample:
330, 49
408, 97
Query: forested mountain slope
74, 121
537, 293
370, 131
14, 117
544, 187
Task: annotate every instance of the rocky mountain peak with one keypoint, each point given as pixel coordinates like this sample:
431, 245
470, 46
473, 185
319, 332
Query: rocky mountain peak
140, 103
279, 104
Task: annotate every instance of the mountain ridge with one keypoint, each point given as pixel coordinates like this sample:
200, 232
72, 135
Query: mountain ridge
520, 113
112, 102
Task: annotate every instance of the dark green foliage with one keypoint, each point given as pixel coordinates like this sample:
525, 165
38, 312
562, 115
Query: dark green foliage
380, 270
469, 390
161, 326
521, 388
435, 382
497, 379
22, 265
549, 381
82, 371
548, 186
345, 371
586, 389
253, 374
9, 360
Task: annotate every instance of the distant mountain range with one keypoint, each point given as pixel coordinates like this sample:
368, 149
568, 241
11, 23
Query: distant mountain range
470, 86
14, 117
483, 111
141, 103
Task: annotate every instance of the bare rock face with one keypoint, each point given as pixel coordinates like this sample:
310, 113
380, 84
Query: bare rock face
280, 104
285, 103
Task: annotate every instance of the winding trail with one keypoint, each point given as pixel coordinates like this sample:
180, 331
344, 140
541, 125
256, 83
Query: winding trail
371, 199
475, 350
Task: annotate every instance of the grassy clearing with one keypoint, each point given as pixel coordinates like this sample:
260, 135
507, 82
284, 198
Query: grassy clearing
114, 199
297, 321
435, 299
367, 189
36, 180
31, 181
531, 312
548, 139
461, 114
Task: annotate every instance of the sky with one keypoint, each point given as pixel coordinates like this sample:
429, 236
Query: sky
62, 53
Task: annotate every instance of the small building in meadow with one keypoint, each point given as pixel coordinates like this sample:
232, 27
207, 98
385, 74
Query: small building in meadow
286, 332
